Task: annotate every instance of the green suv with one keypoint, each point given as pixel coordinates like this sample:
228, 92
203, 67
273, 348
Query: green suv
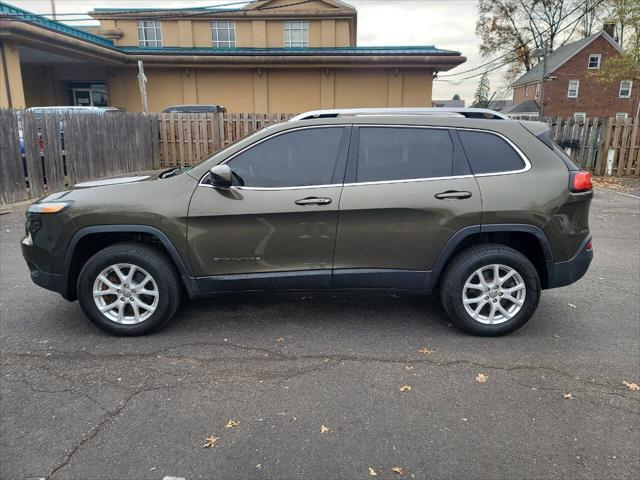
487, 211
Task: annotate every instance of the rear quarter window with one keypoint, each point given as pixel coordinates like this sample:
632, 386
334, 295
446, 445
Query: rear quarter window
489, 153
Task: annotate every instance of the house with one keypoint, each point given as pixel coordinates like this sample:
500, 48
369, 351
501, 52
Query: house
268, 56
571, 89
448, 103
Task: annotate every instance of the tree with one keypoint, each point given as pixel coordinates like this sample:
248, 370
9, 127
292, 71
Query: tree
481, 97
517, 27
626, 15
456, 97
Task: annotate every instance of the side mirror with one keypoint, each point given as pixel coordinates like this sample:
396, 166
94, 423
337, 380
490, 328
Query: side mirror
221, 176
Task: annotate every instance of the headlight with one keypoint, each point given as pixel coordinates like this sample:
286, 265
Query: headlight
48, 207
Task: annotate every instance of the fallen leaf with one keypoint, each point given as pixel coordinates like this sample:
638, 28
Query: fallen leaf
372, 472
632, 386
572, 305
211, 442
280, 339
408, 367
567, 396
259, 466
481, 378
232, 423
324, 429
405, 388
326, 360
397, 470
425, 351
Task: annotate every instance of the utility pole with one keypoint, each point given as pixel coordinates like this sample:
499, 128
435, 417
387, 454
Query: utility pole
142, 81
53, 10
542, 52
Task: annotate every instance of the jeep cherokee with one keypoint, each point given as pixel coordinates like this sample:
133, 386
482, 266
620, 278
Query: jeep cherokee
487, 211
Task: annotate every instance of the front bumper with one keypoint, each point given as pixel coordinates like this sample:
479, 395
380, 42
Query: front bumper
56, 282
566, 273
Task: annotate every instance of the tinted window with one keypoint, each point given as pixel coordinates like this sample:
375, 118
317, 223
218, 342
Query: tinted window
387, 153
488, 153
298, 158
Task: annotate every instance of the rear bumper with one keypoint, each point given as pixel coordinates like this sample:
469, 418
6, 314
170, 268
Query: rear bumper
566, 273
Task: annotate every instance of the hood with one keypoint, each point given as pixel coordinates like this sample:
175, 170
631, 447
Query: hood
112, 181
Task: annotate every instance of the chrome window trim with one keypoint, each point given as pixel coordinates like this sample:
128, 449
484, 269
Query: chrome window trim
298, 187
524, 158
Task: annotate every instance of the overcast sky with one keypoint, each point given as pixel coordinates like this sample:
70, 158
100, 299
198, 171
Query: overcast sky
448, 24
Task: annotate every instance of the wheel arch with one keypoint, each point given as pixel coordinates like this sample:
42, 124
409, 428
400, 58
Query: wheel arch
529, 240
88, 240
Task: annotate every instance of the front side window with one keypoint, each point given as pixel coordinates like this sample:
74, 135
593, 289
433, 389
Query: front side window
394, 153
625, 88
574, 86
223, 34
296, 34
294, 159
149, 33
489, 153
594, 61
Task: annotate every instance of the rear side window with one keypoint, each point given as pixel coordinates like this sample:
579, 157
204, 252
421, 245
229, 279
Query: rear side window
391, 153
488, 153
299, 158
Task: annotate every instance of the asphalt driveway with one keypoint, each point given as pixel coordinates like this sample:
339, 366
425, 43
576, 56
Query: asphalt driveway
76, 403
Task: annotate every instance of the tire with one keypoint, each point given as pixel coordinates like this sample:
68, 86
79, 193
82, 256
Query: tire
155, 307
523, 285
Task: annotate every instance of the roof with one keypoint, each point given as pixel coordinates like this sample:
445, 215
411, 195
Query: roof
560, 56
250, 6
28, 17
307, 51
528, 106
500, 105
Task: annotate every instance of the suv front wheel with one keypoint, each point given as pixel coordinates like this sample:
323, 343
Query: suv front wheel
129, 289
490, 290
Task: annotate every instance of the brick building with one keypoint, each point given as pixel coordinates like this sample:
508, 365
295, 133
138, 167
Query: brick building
572, 90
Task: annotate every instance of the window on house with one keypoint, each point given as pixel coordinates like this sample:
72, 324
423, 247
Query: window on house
526, 91
574, 87
621, 115
594, 61
296, 34
149, 33
625, 88
223, 34
580, 116
537, 90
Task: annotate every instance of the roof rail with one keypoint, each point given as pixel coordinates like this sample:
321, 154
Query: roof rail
482, 113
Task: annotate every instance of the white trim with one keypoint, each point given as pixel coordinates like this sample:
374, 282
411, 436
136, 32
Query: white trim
143, 27
621, 115
630, 82
577, 88
597, 56
227, 25
524, 158
290, 26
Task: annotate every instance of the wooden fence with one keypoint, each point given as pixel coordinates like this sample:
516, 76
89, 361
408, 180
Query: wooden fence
40, 154
186, 139
605, 146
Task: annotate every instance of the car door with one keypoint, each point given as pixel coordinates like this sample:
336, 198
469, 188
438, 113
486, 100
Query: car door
407, 190
275, 226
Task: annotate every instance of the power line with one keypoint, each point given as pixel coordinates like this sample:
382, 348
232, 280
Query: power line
525, 43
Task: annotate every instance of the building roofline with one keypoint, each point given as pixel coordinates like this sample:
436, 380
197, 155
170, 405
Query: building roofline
519, 82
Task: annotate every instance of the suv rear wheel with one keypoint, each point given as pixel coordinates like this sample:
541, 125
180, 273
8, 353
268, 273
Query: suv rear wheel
129, 289
490, 290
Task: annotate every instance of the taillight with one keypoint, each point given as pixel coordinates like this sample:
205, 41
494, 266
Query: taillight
581, 181
589, 246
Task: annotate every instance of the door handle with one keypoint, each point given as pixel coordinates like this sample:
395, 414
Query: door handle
314, 201
452, 195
